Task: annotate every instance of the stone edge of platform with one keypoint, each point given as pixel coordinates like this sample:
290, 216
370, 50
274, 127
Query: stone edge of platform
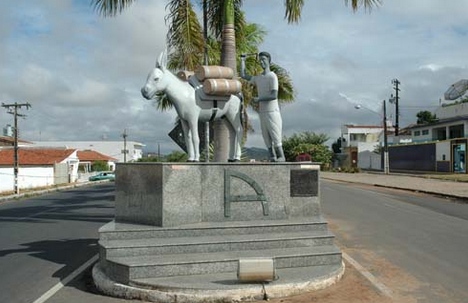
256, 292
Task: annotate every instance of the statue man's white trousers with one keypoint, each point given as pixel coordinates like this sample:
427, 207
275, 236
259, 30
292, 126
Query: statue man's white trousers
272, 125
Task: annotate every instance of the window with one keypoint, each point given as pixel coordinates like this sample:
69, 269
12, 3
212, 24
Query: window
425, 132
417, 133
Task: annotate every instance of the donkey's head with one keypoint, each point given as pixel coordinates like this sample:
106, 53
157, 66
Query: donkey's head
156, 81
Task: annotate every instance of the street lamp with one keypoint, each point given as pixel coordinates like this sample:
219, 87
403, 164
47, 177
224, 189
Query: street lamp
386, 161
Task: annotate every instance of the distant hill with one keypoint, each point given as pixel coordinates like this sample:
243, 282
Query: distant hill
259, 154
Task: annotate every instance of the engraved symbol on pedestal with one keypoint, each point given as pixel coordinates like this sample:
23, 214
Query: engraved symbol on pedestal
228, 198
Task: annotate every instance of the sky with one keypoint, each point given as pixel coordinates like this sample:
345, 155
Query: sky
82, 73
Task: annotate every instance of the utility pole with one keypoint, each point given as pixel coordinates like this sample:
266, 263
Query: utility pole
386, 160
125, 151
396, 83
159, 152
13, 109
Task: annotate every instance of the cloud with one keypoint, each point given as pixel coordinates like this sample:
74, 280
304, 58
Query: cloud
82, 73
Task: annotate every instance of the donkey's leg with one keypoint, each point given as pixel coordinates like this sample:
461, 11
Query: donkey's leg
188, 139
235, 124
193, 124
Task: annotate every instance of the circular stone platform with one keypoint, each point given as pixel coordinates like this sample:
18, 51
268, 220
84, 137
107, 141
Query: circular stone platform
220, 287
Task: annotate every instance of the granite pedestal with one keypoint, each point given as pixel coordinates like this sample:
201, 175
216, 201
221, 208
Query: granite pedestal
193, 222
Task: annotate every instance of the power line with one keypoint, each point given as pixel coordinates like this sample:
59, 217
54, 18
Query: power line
13, 109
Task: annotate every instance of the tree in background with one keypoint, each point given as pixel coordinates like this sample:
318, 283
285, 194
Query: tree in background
177, 156
151, 159
425, 117
336, 146
306, 142
100, 166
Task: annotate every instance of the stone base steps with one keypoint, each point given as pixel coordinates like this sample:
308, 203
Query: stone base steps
206, 244
126, 231
129, 252
125, 269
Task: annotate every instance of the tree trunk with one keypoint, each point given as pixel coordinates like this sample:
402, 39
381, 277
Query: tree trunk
228, 58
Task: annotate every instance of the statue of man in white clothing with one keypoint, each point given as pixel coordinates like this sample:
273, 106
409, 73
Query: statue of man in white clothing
269, 112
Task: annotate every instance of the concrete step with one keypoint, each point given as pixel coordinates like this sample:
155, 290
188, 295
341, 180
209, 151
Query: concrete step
228, 281
161, 246
125, 231
124, 269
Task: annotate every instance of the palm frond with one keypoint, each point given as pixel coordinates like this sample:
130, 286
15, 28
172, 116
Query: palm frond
293, 10
367, 4
185, 35
216, 15
286, 93
110, 8
162, 103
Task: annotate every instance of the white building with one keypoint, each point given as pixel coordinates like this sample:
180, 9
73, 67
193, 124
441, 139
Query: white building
360, 143
354, 135
38, 167
114, 149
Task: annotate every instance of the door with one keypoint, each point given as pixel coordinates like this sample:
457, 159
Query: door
459, 158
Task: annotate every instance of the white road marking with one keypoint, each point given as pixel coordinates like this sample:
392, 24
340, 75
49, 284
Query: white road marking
46, 296
379, 285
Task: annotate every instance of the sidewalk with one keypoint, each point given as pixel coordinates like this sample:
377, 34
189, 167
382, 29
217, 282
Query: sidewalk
450, 189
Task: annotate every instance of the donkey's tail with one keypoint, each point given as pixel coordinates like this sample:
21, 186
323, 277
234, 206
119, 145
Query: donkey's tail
241, 110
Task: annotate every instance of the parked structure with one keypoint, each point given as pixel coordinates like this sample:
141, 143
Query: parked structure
114, 149
38, 167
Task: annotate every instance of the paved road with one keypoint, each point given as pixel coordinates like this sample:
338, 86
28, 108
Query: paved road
415, 244
44, 239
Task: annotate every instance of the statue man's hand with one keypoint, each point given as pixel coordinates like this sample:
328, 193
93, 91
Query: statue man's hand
243, 56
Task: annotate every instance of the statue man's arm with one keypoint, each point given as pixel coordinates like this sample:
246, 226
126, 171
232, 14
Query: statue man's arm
272, 96
243, 70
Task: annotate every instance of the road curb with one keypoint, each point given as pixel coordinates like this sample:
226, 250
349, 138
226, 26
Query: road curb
461, 198
50, 190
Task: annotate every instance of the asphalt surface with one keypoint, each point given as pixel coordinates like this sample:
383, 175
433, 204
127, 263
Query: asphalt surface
413, 243
44, 239
416, 244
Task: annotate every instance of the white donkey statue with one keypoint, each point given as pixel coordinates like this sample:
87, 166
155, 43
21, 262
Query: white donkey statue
191, 109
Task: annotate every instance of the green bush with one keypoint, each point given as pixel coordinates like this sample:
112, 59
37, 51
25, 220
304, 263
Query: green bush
100, 166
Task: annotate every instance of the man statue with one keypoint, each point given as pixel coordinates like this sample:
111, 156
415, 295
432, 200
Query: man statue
270, 117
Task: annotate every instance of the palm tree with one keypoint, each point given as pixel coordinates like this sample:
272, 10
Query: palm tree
186, 37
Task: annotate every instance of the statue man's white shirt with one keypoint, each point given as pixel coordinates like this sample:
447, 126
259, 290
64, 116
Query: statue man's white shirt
269, 112
265, 84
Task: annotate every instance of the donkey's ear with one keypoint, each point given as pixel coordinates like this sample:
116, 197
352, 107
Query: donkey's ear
159, 61
164, 59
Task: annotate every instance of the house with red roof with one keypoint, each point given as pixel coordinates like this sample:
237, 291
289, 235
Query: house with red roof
38, 167
90, 157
